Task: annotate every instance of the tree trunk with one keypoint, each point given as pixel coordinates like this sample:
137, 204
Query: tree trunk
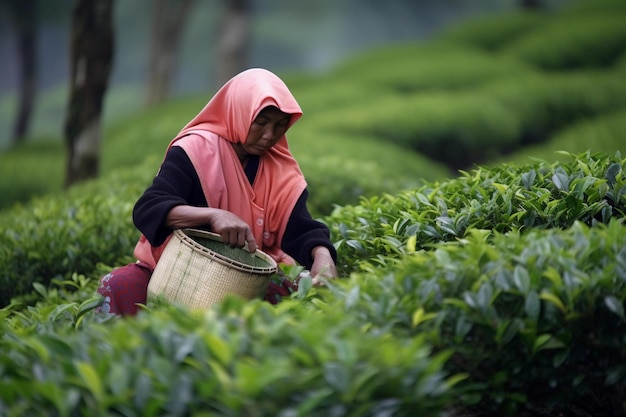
167, 24
233, 39
91, 61
24, 13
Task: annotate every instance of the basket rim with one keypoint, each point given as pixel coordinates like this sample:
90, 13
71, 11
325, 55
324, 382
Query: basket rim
185, 234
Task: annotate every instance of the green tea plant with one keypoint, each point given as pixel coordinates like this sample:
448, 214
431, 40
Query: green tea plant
591, 188
236, 359
536, 319
494, 33
57, 237
418, 67
574, 41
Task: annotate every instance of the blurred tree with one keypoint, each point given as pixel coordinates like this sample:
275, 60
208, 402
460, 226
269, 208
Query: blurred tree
24, 18
167, 24
91, 60
233, 40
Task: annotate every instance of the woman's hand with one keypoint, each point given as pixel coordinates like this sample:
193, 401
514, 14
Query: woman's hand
323, 265
234, 231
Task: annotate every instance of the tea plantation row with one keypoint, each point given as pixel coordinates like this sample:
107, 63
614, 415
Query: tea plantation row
500, 292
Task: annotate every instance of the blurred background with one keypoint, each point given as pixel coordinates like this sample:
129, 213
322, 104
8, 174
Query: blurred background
394, 93
282, 36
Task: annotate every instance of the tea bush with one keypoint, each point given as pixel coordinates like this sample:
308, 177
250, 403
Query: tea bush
237, 359
494, 33
413, 67
576, 41
550, 102
589, 188
604, 133
498, 293
56, 236
536, 319
464, 127
29, 171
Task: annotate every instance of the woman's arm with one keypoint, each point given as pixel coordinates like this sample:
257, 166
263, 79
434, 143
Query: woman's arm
234, 231
323, 263
175, 200
308, 241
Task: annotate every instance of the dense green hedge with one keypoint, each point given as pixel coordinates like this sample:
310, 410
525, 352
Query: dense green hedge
605, 133
588, 188
498, 293
236, 360
536, 319
54, 237
464, 127
577, 41
411, 67
492, 34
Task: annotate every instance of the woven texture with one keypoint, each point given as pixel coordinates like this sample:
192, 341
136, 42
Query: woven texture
195, 276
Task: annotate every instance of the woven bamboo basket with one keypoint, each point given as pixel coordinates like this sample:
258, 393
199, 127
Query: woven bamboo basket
197, 270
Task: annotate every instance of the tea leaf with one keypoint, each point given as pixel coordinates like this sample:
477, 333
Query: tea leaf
615, 305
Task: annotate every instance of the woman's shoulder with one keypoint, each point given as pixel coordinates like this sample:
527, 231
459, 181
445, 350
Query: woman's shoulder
202, 142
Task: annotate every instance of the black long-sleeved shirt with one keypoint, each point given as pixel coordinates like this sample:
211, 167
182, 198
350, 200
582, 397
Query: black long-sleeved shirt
177, 183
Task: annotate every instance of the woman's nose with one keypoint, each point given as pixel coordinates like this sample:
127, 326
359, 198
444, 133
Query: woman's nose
268, 132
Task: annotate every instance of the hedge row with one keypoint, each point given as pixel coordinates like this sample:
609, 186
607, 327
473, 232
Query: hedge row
56, 236
239, 359
590, 188
535, 319
499, 293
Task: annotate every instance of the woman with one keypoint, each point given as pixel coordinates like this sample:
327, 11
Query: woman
229, 170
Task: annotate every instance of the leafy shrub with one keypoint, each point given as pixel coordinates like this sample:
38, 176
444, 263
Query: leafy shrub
465, 127
237, 359
595, 6
536, 320
453, 128
56, 237
494, 32
604, 133
590, 189
412, 67
29, 170
358, 167
575, 42
544, 104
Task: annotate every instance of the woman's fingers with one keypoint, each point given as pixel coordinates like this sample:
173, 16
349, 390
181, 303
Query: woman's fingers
252, 246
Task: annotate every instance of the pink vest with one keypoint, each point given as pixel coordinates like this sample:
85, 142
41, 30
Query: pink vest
265, 205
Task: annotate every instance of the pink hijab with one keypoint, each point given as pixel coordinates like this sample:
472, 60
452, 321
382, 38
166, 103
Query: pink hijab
266, 204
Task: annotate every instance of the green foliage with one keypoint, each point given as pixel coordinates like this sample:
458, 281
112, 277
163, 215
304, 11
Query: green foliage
56, 237
604, 133
493, 33
547, 103
590, 189
358, 167
436, 65
453, 128
536, 319
30, 170
229, 361
499, 292
583, 41
146, 134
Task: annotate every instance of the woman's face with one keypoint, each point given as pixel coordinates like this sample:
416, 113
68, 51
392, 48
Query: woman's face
268, 127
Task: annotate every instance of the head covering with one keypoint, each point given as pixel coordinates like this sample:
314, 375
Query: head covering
207, 139
231, 111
